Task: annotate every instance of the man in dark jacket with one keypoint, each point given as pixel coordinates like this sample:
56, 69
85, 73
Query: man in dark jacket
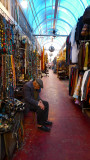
34, 103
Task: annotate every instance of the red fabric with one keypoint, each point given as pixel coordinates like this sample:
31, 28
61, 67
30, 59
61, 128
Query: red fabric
42, 60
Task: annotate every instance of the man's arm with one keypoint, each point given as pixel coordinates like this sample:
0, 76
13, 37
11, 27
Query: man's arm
28, 96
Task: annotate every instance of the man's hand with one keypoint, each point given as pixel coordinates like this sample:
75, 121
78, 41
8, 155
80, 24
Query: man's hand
41, 105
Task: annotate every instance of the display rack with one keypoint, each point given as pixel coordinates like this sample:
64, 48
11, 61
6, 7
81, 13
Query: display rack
78, 70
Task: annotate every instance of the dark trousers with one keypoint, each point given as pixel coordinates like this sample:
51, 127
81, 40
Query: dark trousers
42, 115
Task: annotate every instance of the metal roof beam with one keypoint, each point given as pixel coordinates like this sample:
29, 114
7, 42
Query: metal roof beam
60, 7
54, 35
53, 43
58, 27
50, 20
55, 13
45, 15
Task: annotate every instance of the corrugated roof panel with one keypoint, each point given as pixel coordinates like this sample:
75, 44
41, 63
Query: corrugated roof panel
54, 16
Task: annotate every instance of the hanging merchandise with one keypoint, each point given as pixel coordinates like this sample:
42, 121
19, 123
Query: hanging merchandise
73, 79
0, 75
79, 27
79, 79
8, 76
6, 51
34, 64
2, 35
68, 50
86, 15
46, 58
74, 49
9, 106
13, 70
42, 60
38, 66
77, 90
86, 61
85, 91
62, 69
85, 31
84, 55
85, 88
30, 63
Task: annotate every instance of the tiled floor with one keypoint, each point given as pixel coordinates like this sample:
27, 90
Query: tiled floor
69, 138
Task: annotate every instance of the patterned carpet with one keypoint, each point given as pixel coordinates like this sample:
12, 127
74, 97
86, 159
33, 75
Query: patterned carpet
69, 138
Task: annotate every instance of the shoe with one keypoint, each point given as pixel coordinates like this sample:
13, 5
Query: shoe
44, 128
48, 123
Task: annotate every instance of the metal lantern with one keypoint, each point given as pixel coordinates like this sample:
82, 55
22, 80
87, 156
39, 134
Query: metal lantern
51, 49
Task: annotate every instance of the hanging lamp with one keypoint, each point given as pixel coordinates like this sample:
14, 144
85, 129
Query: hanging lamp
51, 49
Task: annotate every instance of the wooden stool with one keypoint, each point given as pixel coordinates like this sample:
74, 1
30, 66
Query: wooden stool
34, 115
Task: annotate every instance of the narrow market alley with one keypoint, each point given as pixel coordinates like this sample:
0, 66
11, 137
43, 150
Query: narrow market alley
69, 138
44, 79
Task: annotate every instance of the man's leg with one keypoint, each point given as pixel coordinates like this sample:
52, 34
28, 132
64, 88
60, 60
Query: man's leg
42, 115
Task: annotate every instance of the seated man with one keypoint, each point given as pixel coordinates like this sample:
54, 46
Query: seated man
34, 103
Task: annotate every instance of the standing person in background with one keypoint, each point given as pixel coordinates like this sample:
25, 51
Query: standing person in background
45, 68
36, 104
